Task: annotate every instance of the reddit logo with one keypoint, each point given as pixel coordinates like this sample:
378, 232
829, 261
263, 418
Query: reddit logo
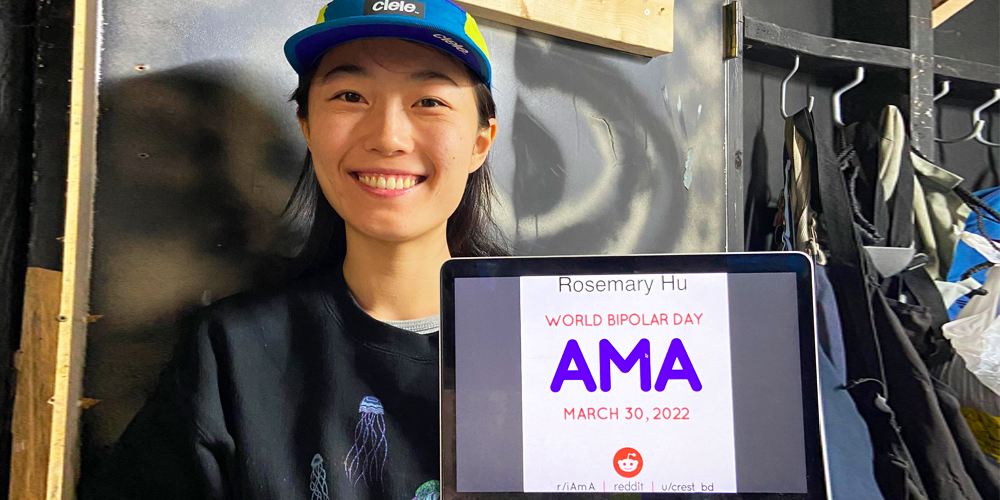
628, 462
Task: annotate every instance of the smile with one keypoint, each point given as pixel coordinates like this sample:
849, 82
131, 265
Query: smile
392, 182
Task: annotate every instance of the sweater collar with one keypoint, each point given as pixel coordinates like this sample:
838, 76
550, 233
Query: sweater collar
371, 332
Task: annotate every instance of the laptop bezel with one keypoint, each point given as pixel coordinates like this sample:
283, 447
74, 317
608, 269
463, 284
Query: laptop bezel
768, 262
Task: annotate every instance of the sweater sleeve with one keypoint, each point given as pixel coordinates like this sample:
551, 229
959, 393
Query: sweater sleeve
177, 446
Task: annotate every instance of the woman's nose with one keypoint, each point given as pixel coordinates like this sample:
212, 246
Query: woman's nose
389, 131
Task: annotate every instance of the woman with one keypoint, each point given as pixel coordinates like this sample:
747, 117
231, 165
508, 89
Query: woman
328, 387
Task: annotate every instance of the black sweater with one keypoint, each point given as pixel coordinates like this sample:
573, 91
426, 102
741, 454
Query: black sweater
294, 393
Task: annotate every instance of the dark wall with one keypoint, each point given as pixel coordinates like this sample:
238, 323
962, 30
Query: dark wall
16, 42
811, 16
971, 34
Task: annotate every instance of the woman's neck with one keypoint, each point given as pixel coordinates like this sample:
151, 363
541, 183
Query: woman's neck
396, 281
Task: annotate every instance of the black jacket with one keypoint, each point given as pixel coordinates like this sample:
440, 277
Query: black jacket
293, 393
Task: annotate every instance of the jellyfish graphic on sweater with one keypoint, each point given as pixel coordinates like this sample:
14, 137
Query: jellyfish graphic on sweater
431, 490
366, 459
317, 480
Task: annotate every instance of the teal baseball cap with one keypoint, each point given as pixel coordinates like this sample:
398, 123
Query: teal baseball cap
438, 23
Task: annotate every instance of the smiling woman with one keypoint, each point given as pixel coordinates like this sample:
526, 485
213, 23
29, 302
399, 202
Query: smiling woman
327, 387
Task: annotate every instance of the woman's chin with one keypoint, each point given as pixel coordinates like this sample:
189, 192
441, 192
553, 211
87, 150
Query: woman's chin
393, 232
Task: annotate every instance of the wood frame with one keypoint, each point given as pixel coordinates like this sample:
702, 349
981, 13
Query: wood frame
644, 27
63, 457
35, 364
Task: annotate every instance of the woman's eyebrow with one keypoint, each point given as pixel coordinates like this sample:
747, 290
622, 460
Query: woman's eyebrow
429, 74
344, 69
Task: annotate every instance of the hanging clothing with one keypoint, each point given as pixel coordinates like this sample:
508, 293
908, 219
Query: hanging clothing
976, 334
893, 466
848, 447
915, 453
978, 405
940, 214
966, 257
800, 218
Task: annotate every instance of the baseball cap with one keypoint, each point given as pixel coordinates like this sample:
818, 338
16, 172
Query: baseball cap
438, 23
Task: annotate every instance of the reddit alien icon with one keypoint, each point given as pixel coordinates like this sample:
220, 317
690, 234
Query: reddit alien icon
628, 462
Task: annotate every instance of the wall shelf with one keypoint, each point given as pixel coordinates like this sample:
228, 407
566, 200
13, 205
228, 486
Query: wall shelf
772, 44
827, 57
985, 74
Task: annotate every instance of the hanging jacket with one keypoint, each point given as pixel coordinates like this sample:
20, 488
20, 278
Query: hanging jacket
940, 214
915, 452
966, 258
848, 449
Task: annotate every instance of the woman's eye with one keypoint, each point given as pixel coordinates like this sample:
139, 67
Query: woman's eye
349, 97
430, 103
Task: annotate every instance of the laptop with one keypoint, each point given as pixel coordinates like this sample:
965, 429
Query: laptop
670, 376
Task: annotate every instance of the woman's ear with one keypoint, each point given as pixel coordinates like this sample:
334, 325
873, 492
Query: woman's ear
484, 141
304, 125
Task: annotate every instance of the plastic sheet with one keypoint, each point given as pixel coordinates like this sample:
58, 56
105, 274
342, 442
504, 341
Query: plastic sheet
975, 334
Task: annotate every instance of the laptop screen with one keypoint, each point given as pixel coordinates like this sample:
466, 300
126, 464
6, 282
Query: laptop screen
630, 383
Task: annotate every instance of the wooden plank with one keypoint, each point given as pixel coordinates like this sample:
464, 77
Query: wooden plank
986, 74
644, 27
944, 9
35, 365
762, 35
921, 109
77, 240
735, 196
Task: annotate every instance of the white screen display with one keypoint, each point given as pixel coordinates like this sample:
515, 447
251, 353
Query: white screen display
626, 384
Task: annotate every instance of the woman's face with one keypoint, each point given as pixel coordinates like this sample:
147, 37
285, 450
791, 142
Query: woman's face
394, 133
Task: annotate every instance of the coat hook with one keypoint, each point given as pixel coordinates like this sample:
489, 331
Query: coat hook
945, 88
977, 124
837, 110
784, 90
977, 117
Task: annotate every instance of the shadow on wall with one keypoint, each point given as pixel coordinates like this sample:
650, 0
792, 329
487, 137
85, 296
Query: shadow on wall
193, 175
638, 157
758, 213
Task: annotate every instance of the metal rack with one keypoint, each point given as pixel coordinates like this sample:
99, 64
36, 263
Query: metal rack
896, 46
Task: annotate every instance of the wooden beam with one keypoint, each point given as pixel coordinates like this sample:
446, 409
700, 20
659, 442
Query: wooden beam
35, 364
644, 27
987, 74
921, 108
820, 52
944, 9
77, 240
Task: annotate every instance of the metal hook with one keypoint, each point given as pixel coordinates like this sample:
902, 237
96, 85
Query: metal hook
837, 111
977, 122
784, 90
977, 129
977, 116
945, 88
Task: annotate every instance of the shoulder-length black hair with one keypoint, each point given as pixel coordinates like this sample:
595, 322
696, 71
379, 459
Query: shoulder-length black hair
309, 217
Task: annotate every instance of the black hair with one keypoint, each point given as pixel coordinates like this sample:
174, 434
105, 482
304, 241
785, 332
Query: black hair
319, 229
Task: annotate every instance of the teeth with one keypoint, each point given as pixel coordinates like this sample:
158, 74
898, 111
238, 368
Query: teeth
379, 181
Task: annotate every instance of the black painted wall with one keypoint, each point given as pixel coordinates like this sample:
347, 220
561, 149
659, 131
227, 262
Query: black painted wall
16, 41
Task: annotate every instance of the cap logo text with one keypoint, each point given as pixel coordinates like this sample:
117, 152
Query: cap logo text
457, 46
411, 8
